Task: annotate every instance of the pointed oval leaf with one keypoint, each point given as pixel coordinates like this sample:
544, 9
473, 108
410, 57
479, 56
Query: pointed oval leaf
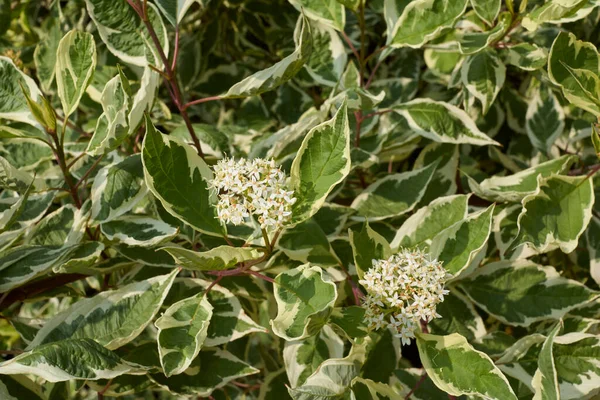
305, 299
138, 231
215, 259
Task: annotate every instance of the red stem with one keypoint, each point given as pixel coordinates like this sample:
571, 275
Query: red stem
200, 101
417, 385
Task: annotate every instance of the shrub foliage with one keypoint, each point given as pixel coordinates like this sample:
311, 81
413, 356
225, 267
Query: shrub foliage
308, 200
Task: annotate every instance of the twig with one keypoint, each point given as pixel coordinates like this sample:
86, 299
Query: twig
347, 39
89, 171
200, 101
417, 385
261, 276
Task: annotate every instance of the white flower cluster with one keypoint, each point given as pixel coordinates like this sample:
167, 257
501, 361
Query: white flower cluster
257, 187
402, 291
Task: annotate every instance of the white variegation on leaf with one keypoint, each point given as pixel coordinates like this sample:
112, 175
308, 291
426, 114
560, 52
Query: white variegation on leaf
460, 244
442, 122
75, 65
552, 10
521, 292
423, 20
13, 178
487, 10
394, 195
513, 188
303, 357
545, 380
112, 318
545, 119
593, 245
215, 259
458, 369
328, 58
173, 170
421, 227
174, 11
556, 214
305, 298
321, 163
70, 359
526, 56
13, 105
182, 330
274, 76
138, 231
329, 12
367, 245
483, 75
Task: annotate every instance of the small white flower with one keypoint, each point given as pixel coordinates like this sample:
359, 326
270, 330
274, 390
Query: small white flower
402, 291
256, 187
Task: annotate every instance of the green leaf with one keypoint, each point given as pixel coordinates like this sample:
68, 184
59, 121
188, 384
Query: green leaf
574, 356
172, 170
545, 119
394, 195
272, 77
442, 122
305, 298
124, 33
321, 163
550, 11
12, 178
13, 105
111, 318
328, 12
274, 387
113, 125
483, 75
138, 231
42, 112
23, 263
545, 381
174, 11
592, 236
182, 330
75, 65
64, 226
70, 359
474, 42
513, 188
215, 259
567, 55
526, 56
306, 242
44, 55
596, 140
15, 387
421, 227
367, 245
458, 316
333, 378
118, 188
458, 369
487, 10
521, 292
350, 320
303, 357
460, 244
212, 369
328, 59
229, 322
556, 214
423, 20
369, 390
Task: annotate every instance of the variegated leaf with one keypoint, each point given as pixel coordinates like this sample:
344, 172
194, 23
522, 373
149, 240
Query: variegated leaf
182, 330
487, 10
70, 359
521, 292
215, 259
320, 164
307, 243
545, 381
442, 122
483, 75
117, 189
303, 357
212, 369
423, 20
421, 227
13, 178
304, 298
367, 245
13, 105
138, 231
513, 188
593, 244
174, 11
545, 119
459, 245
75, 65
394, 195
556, 214
369, 390
172, 170
270, 78
458, 369
328, 12
111, 318
550, 11
458, 316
